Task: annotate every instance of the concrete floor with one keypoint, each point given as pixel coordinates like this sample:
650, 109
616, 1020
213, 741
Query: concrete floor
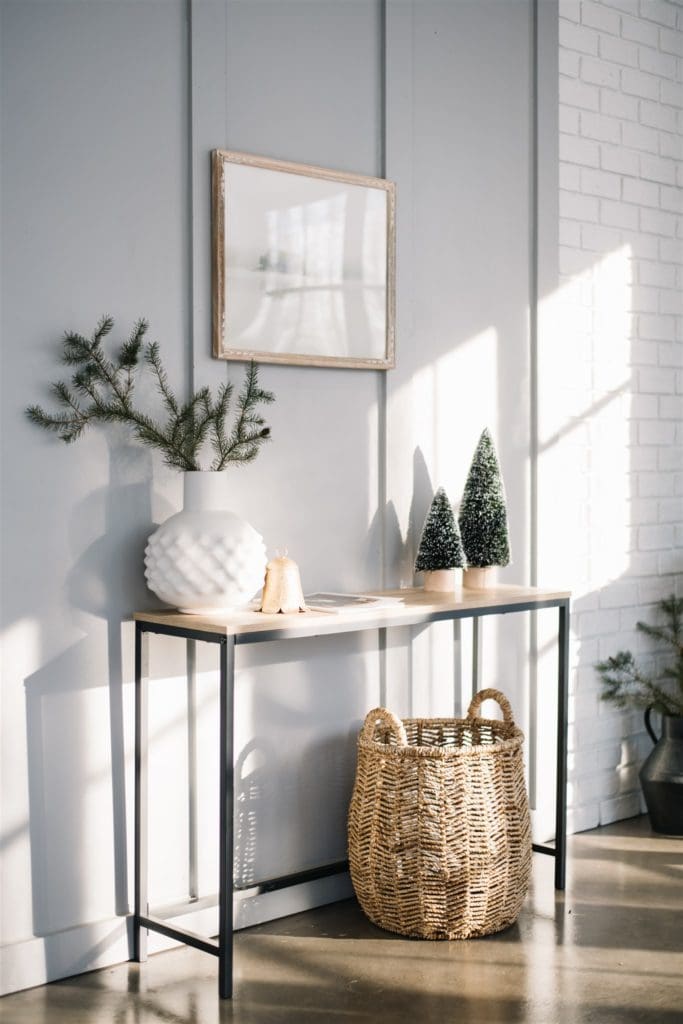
610, 952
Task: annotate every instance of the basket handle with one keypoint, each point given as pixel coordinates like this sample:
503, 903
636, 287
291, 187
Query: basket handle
490, 694
389, 720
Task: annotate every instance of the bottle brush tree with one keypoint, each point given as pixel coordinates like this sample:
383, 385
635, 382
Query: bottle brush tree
627, 686
440, 544
102, 390
483, 511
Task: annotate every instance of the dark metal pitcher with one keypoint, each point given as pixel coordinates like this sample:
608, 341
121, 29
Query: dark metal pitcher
662, 776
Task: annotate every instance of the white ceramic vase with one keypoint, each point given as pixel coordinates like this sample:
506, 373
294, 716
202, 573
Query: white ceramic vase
205, 559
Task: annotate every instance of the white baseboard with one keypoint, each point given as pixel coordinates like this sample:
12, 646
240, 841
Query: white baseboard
62, 954
89, 947
251, 910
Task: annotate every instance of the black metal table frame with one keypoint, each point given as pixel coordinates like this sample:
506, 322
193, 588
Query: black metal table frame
222, 947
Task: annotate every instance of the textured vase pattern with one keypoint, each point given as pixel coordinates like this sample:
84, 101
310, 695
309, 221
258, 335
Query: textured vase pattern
204, 558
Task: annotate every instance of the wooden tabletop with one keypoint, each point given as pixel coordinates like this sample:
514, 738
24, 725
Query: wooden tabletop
414, 607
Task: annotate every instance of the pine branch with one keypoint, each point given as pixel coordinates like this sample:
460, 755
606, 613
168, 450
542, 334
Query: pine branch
661, 633
129, 356
101, 391
153, 359
130, 350
104, 327
627, 686
84, 380
202, 422
67, 427
105, 370
60, 392
244, 443
148, 433
675, 672
190, 430
245, 449
219, 416
76, 349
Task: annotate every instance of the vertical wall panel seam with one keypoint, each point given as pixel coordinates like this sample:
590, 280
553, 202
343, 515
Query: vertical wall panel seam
382, 374
382, 421
533, 303
190, 205
224, 141
533, 396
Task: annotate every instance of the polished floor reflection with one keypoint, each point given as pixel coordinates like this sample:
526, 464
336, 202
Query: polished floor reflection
609, 952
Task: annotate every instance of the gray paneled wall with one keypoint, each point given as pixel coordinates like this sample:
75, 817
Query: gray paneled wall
95, 218
109, 113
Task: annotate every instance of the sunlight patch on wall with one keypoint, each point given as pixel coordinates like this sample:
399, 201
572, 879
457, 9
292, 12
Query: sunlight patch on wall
584, 400
437, 416
21, 647
467, 399
584, 483
168, 773
20, 659
610, 439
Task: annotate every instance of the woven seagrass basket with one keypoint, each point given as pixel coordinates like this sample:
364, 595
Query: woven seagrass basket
439, 830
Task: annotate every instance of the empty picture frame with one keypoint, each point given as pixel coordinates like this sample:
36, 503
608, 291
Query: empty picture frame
303, 264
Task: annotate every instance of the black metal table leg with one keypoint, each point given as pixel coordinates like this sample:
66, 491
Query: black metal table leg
192, 826
457, 667
225, 893
562, 716
476, 655
139, 932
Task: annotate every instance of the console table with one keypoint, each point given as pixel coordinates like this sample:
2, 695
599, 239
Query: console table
416, 607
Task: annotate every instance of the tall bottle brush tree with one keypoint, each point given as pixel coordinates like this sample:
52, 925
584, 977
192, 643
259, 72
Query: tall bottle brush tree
483, 511
440, 544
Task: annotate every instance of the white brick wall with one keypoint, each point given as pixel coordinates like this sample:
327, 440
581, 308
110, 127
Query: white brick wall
617, 324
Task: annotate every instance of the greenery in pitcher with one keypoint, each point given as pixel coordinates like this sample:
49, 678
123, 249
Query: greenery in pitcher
101, 390
625, 685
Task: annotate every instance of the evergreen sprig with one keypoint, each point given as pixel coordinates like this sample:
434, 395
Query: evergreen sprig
624, 683
101, 390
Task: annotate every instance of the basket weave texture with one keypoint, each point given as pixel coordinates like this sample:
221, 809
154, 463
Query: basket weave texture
439, 829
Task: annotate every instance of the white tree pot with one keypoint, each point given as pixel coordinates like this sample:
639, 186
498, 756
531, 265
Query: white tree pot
205, 559
478, 578
440, 581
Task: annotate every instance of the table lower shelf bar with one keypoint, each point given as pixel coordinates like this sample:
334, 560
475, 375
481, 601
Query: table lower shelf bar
337, 867
542, 848
157, 924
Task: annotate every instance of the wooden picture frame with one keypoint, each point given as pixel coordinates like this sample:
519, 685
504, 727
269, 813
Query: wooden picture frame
303, 264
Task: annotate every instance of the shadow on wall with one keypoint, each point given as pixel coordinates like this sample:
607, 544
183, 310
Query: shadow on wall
287, 755
67, 713
267, 790
253, 791
401, 551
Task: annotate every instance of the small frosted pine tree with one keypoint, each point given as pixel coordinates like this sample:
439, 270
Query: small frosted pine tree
483, 512
440, 544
